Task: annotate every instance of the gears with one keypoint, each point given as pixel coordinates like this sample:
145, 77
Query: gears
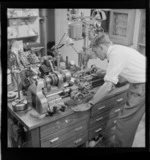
77, 97
94, 69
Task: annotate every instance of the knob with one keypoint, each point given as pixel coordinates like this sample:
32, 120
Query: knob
54, 109
62, 108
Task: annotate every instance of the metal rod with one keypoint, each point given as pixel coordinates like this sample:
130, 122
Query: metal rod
74, 49
61, 39
67, 62
54, 94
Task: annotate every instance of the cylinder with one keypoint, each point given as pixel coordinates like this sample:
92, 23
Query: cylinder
75, 30
67, 65
80, 59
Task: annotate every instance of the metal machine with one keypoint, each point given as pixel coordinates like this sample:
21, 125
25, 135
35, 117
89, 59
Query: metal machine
50, 87
86, 28
51, 92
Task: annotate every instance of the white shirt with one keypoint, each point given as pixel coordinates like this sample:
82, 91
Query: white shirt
126, 62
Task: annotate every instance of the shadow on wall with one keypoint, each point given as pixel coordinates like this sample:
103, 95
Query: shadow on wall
98, 63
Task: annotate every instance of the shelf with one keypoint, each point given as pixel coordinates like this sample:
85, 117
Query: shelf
22, 17
23, 37
124, 27
141, 44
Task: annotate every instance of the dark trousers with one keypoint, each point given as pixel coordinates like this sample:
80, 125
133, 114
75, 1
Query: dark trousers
130, 116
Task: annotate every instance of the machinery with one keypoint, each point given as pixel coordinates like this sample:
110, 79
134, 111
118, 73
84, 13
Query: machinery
50, 88
86, 28
53, 90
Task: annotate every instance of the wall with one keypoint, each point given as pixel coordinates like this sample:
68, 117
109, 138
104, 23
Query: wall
61, 26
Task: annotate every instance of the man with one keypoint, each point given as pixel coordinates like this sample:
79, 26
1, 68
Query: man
130, 64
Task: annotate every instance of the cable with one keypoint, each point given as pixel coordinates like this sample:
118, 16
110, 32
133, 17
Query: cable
74, 49
61, 39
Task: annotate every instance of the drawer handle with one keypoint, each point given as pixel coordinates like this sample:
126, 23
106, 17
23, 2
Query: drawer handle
67, 121
77, 141
117, 110
77, 129
101, 108
53, 140
120, 100
98, 119
98, 130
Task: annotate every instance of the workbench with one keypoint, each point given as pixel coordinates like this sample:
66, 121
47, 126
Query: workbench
69, 128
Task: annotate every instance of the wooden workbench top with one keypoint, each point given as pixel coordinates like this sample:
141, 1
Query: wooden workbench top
30, 122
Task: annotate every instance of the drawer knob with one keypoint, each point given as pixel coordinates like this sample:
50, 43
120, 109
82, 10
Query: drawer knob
117, 110
98, 130
115, 121
66, 121
54, 140
98, 119
101, 108
120, 100
77, 129
77, 141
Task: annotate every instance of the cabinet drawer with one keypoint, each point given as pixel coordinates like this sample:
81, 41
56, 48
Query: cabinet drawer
102, 107
102, 127
102, 117
74, 141
120, 99
63, 134
62, 123
106, 105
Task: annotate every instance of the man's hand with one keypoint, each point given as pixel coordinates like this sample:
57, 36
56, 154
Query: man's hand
82, 107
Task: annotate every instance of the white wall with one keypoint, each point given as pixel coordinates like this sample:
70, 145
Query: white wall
61, 27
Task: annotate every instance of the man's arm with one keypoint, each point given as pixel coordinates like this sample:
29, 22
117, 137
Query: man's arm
102, 92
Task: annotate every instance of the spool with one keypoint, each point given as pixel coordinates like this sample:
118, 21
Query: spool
19, 105
11, 95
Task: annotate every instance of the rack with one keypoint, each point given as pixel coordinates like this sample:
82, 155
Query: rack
22, 37
23, 24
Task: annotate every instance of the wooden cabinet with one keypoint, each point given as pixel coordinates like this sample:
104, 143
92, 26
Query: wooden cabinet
121, 27
23, 24
104, 115
62, 123
141, 36
65, 134
70, 129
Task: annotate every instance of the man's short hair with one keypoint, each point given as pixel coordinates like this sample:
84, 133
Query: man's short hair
100, 39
